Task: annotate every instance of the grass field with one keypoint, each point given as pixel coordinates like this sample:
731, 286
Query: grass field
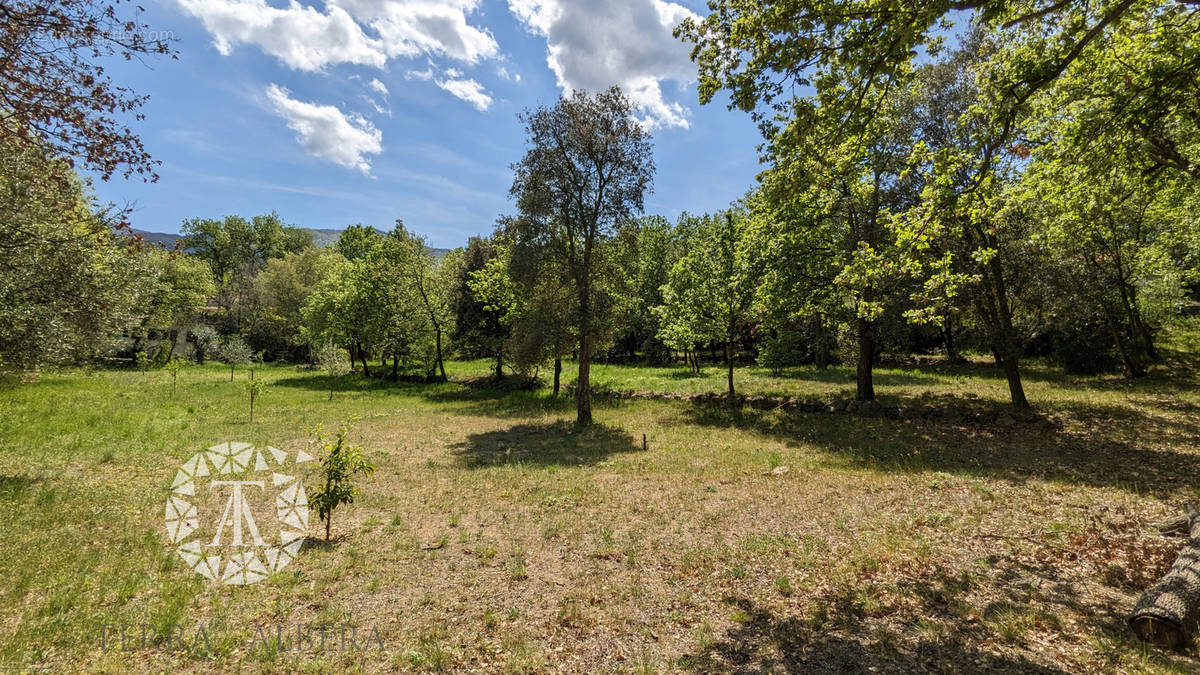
495, 537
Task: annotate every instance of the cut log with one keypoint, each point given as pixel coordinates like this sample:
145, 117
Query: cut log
1174, 525
1168, 610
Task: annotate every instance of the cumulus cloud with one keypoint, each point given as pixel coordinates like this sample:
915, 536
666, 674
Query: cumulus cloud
414, 27
299, 36
365, 32
593, 46
326, 132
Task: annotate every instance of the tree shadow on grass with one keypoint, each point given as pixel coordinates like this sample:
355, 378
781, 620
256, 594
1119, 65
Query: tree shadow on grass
14, 488
763, 641
554, 444
937, 622
1117, 447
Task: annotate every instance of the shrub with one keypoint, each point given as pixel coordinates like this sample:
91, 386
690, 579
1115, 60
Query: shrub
340, 464
332, 359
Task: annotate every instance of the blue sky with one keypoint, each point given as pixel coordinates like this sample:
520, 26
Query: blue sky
281, 106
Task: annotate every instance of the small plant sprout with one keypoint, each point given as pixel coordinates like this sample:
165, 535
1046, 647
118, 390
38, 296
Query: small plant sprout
254, 388
333, 361
141, 361
173, 366
340, 464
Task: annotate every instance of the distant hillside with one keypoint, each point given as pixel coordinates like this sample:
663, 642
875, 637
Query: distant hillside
321, 239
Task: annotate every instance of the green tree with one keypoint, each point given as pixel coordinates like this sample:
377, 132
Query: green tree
431, 278
236, 250
180, 290
254, 388
492, 287
711, 290
584, 176
404, 334
282, 288
543, 307
205, 341
357, 241
478, 330
69, 285
344, 309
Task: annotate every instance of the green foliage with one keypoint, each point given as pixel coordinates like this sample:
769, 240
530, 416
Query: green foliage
281, 290
205, 342
236, 250
480, 328
341, 464
357, 241
710, 291
235, 352
68, 283
182, 286
254, 388
584, 177
173, 366
331, 359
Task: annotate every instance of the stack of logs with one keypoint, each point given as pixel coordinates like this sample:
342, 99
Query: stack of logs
1169, 609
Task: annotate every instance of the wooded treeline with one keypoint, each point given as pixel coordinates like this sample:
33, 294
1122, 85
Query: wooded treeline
1022, 186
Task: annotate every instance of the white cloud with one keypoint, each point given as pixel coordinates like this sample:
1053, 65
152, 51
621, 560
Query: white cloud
414, 27
469, 91
327, 132
594, 45
378, 86
300, 37
505, 74
453, 81
364, 32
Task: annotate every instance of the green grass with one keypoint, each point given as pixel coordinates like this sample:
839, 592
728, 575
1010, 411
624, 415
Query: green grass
495, 536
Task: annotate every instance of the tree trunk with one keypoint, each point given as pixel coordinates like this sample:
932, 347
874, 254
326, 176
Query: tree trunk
440, 364
363, 355
557, 373
729, 366
1016, 392
1168, 609
866, 360
948, 340
583, 383
499, 365
328, 522
997, 314
395, 368
231, 372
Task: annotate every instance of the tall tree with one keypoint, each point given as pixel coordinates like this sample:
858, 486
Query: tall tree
585, 173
